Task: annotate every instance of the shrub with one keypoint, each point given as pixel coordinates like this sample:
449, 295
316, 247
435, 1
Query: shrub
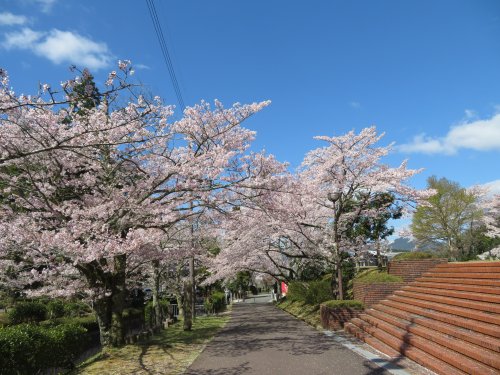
76, 308
377, 276
353, 304
27, 312
215, 303
414, 255
312, 293
30, 349
297, 291
55, 309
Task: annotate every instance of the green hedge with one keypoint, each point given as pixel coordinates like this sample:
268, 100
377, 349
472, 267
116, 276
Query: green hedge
30, 349
27, 312
414, 255
312, 292
215, 303
353, 304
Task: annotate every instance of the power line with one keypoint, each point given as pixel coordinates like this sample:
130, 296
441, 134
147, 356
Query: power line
165, 52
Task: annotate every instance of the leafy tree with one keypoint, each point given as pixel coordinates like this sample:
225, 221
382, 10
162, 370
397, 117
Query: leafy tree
451, 221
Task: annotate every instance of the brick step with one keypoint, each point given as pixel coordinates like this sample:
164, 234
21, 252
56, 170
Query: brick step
480, 339
468, 264
467, 269
469, 275
493, 308
485, 356
466, 288
480, 282
431, 362
436, 350
370, 340
492, 298
489, 322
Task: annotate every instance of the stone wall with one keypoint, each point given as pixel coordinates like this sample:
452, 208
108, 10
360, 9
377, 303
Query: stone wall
335, 318
372, 293
410, 270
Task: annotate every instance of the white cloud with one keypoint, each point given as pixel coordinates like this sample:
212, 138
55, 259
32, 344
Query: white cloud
45, 5
60, 47
9, 19
141, 66
479, 135
493, 187
355, 105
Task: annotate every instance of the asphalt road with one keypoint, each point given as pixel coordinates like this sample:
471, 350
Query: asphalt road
262, 339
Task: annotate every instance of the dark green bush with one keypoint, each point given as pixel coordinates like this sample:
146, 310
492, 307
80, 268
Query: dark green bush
27, 312
215, 303
76, 308
55, 309
353, 304
297, 291
312, 292
414, 255
30, 349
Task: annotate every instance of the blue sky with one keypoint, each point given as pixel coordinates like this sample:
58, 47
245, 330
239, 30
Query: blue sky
425, 72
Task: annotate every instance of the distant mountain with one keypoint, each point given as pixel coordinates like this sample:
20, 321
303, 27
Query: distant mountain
402, 244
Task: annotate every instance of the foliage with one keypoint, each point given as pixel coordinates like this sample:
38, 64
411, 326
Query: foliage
414, 255
56, 308
27, 312
336, 303
451, 221
311, 293
29, 349
215, 303
377, 276
240, 282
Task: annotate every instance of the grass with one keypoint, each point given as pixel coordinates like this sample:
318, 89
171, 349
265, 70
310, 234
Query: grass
170, 352
414, 255
377, 276
307, 313
353, 304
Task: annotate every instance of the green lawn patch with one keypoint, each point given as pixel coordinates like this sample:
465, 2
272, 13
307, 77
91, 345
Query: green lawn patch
353, 304
414, 255
377, 276
169, 352
307, 313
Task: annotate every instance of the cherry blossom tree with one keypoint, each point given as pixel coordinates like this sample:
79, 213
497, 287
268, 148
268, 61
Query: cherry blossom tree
89, 187
315, 215
491, 216
343, 179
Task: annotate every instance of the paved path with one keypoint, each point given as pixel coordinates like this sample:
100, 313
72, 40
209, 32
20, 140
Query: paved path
262, 339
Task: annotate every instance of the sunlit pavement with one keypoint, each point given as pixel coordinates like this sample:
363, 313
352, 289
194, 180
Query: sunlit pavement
262, 339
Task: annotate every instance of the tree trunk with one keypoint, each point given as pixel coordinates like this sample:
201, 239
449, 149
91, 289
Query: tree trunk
156, 298
118, 301
379, 257
188, 314
193, 294
340, 282
102, 308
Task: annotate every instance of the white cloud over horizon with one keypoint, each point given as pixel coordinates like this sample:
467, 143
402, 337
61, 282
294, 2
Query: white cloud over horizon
60, 47
10, 19
479, 135
493, 187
